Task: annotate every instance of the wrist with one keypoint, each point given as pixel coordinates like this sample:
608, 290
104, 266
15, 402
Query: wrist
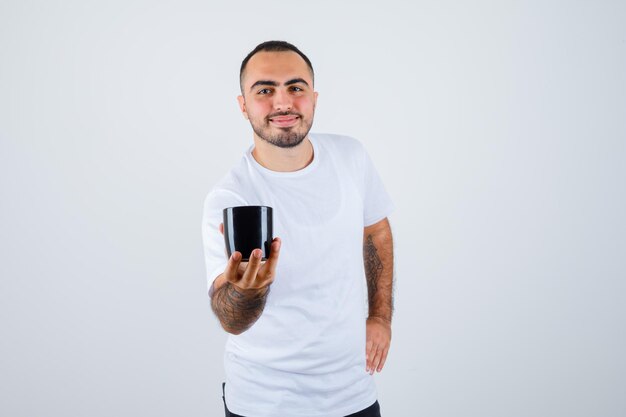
251, 292
379, 318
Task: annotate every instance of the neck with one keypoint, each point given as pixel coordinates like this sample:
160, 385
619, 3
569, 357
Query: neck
279, 159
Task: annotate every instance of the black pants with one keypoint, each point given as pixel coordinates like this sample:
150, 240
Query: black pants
371, 411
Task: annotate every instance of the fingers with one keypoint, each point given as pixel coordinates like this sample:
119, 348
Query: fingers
255, 273
378, 338
383, 359
230, 273
378, 355
249, 278
268, 271
372, 357
369, 355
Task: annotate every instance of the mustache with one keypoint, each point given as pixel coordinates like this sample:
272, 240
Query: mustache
283, 113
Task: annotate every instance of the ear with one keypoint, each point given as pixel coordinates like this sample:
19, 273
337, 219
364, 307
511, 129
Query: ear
315, 100
242, 106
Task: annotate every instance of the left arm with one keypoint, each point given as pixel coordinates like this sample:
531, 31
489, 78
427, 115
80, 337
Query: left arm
378, 259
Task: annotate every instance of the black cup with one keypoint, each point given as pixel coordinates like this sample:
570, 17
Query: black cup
247, 228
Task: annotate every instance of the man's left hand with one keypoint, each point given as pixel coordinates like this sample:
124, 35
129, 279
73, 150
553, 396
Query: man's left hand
378, 339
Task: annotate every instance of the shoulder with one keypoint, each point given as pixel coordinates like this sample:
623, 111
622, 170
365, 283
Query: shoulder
346, 153
338, 143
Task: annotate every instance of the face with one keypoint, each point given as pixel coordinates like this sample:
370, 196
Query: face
278, 97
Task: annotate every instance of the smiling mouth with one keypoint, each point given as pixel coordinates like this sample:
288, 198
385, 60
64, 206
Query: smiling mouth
284, 121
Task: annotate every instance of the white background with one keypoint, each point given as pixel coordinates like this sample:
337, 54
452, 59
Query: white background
498, 127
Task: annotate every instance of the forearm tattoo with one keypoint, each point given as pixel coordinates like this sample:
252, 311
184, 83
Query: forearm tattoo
373, 267
379, 280
238, 309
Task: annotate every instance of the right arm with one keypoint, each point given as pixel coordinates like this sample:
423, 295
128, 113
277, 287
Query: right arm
239, 294
237, 310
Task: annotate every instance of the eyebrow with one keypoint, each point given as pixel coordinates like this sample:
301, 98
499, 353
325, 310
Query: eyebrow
275, 84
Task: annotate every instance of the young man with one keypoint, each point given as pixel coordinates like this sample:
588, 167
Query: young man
303, 341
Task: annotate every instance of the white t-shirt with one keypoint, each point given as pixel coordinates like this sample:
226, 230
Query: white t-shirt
305, 355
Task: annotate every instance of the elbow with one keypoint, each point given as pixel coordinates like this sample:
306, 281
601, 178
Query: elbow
233, 330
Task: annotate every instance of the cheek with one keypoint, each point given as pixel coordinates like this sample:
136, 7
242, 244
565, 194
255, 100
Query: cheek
258, 108
305, 103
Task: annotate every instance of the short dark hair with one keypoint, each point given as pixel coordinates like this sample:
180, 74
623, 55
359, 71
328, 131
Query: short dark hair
272, 46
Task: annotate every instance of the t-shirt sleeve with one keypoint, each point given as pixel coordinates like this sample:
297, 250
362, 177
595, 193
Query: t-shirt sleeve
377, 203
213, 241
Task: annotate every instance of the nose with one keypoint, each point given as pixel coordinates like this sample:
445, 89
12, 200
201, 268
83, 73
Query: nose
282, 100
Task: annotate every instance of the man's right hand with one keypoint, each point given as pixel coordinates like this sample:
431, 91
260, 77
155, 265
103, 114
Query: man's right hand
241, 291
252, 275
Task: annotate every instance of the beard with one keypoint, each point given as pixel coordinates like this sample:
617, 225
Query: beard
283, 137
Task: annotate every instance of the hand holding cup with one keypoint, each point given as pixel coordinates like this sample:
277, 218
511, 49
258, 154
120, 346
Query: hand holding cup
253, 253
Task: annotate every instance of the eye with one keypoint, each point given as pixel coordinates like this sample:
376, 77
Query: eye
296, 89
264, 91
